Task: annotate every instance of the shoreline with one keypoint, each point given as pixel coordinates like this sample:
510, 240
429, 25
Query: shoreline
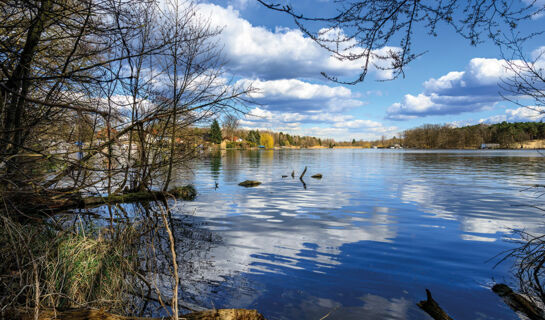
365, 148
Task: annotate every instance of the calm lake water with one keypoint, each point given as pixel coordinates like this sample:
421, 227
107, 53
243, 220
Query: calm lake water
366, 240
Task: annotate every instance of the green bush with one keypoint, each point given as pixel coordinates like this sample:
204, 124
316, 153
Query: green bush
231, 145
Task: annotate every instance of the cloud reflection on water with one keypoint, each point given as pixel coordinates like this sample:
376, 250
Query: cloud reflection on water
391, 215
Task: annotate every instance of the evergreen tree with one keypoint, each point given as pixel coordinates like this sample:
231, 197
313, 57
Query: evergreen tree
253, 136
215, 132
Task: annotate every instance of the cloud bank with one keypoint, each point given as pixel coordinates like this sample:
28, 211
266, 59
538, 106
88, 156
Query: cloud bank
257, 52
474, 89
522, 114
318, 124
292, 95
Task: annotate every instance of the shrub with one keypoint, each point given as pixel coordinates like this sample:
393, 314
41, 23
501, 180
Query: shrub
267, 140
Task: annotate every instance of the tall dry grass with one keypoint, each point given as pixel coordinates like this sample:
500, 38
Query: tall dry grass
42, 267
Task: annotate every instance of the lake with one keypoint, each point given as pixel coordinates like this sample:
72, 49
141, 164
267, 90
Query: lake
366, 240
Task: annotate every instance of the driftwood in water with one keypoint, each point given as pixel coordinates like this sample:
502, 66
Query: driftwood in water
518, 302
284, 176
91, 314
225, 314
317, 176
293, 173
301, 178
249, 183
432, 308
302, 174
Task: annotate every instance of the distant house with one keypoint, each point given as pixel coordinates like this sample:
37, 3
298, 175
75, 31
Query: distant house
490, 146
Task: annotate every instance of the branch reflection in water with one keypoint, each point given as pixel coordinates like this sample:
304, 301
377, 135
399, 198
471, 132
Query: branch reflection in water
152, 278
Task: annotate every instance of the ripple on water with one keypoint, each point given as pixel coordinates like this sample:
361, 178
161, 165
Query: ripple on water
368, 238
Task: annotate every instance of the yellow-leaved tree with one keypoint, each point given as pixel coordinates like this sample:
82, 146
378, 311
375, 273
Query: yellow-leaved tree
267, 140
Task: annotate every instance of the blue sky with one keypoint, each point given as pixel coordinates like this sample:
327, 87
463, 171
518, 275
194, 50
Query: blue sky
453, 82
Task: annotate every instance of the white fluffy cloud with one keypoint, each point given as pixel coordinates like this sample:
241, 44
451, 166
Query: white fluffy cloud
323, 124
359, 123
344, 133
292, 95
295, 89
522, 114
480, 76
261, 117
525, 114
257, 52
474, 89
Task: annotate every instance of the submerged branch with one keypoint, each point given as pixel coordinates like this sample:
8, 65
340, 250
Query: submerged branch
517, 302
432, 308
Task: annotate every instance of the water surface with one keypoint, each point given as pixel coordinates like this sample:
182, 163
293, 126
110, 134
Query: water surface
366, 240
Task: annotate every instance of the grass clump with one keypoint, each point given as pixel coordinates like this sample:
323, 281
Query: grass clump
87, 270
50, 268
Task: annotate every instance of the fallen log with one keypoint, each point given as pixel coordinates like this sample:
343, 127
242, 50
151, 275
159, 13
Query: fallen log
51, 202
185, 193
517, 302
432, 308
93, 314
76, 314
249, 183
225, 314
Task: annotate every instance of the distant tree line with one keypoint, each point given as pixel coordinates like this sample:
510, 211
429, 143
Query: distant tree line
242, 138
428, 136
505, 134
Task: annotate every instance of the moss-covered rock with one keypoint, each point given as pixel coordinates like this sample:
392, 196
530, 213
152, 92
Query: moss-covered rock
186, 192
249, 183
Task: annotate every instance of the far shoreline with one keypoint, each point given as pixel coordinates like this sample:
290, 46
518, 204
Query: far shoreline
365, 148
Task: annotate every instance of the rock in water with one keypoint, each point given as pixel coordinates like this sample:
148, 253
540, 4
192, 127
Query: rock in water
317, 176
186, 192
249, 183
